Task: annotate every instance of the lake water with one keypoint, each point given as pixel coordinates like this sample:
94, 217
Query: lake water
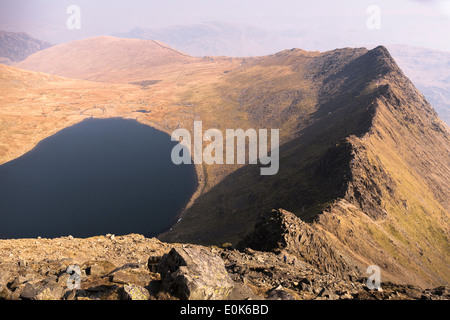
99, 176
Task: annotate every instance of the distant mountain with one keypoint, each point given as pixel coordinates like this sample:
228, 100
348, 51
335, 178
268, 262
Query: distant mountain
430, 72
16, 46
214, 39
105, 58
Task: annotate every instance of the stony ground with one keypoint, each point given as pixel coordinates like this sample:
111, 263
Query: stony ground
133, 267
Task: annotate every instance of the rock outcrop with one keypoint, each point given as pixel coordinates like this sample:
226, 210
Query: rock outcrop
136, 268
194, 273
281, 230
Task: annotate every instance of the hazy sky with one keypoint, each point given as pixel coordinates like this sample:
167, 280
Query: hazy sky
415, 22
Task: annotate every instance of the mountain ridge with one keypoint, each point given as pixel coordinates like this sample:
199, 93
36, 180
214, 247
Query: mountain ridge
424, 66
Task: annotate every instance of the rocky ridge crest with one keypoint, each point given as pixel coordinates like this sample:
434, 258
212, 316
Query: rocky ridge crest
133, 267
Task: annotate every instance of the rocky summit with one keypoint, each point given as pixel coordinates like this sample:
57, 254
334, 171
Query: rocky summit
133, 267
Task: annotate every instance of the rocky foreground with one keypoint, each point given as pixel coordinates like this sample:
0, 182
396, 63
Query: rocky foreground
137, 268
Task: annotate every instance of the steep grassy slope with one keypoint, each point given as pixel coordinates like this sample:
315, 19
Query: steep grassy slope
401, 180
